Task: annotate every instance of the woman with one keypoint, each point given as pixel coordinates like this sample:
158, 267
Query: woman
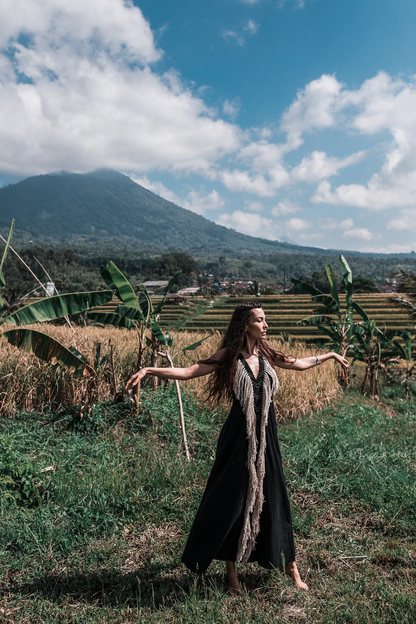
244, 514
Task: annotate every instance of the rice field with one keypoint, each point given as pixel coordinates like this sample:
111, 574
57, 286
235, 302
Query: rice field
29, 384
283, 313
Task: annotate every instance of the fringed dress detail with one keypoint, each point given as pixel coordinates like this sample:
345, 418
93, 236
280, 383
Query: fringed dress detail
244, 514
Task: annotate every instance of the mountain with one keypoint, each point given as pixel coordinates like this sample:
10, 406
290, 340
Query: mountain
106, 206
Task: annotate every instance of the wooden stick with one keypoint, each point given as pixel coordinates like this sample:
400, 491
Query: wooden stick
23, 262
56, 290
178, 394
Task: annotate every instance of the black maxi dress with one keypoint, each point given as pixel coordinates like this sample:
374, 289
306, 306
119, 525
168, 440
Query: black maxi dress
219, 520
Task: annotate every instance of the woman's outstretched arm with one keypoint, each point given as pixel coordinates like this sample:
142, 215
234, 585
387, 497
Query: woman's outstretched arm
302, 364
197, 370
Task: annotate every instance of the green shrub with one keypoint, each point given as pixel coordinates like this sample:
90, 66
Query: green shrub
19, 482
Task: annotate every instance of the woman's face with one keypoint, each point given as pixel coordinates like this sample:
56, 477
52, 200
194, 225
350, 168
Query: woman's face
257, 326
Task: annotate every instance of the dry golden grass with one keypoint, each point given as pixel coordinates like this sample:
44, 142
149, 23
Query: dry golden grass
28, 384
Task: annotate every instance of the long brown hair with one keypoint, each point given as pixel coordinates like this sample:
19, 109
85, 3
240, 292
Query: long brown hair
220, 382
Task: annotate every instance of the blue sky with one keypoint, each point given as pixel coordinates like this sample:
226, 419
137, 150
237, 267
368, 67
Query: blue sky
284, 119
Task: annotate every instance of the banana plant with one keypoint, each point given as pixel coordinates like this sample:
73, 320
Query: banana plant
41, 345
403, 350
379, 350
371, 349
333, 320
135, 312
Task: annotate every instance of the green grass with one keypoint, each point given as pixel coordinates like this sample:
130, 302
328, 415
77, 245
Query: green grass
98, 538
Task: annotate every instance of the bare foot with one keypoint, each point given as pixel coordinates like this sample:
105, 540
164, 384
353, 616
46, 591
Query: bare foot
232, 579
292, 571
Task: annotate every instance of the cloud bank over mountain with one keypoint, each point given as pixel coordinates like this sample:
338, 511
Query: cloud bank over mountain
81, 88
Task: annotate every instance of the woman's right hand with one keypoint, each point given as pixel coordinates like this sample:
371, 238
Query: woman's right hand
135, 379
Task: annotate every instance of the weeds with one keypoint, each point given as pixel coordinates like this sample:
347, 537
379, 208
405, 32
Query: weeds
104, 543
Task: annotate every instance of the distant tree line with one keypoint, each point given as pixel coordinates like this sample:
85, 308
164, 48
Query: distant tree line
76, 271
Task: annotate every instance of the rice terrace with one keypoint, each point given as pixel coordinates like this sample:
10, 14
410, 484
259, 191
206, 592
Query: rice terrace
207, 312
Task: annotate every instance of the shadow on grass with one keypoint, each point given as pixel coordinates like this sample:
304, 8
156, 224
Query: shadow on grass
151, 587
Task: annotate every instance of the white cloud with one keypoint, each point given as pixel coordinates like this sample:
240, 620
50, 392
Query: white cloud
243, 181
253, 206
239, 35
319, 165
231, 108
298, 3
251, 223
295, 224
328, 224
115, 26
393, 248
251, 27
284, 208
91, 99
382, 104
255, 224
158, 188
195, 201
406, 220
314, 108
362, 233
266, 159
200, 203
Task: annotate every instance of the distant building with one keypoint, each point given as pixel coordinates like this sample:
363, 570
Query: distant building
50, 289
156, 284
188, 292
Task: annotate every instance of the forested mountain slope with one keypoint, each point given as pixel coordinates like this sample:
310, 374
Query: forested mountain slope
106, 207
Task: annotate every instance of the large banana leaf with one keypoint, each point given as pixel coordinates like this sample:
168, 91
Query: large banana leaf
349, 288
306, 287
110, 318
332, 281
158, 333
347, 277
358, 355
314, 320
360, 311
323, 311
195, 345
49, 350
398, 333
329, 302
77, 354
58, 306
130, 313
144, 301
5, 252
167, 290
332, 332
115, 279
404, 352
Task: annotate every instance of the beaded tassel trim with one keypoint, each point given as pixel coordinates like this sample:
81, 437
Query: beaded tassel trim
243, 390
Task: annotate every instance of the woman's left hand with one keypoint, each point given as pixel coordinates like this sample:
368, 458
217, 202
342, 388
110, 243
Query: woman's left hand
342, 360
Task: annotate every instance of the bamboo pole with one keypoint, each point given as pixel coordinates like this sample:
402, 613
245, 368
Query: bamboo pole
178, 394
